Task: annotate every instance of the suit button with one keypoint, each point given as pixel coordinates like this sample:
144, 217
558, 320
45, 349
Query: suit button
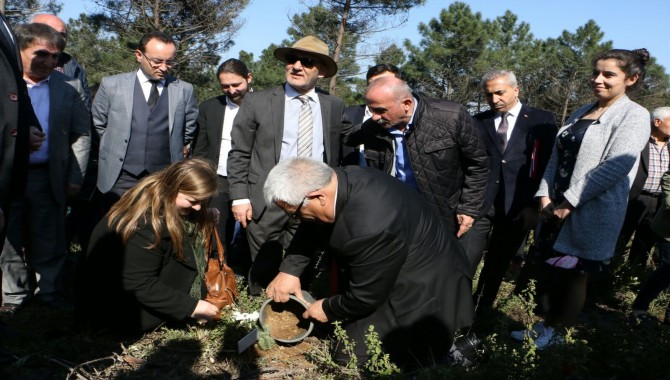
503, 161
121, 159
125, 141
497, 181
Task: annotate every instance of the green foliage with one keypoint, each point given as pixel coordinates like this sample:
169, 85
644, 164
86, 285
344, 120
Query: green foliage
268, 71
20, 11
379, 363
265, 340
348, 346
441, 66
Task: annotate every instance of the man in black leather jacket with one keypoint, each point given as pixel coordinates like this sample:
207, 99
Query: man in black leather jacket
431, 144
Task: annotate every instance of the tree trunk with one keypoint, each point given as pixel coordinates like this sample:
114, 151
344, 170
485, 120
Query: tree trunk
338, 44
567, 97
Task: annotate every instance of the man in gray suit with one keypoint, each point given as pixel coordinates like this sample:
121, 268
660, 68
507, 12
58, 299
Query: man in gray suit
56, 171
276, 124
144, 118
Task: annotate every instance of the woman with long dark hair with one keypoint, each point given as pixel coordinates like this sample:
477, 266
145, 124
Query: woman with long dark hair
585, 187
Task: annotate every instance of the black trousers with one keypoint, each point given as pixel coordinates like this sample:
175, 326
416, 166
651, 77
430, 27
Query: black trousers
639, 214
505, 236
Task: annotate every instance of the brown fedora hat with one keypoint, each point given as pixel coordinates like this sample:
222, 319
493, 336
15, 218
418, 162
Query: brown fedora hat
313, 46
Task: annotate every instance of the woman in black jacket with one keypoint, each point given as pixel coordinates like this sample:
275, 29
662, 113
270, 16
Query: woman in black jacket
146, 258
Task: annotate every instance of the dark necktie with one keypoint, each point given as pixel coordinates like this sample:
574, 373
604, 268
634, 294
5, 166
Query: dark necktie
153, 94
502, 131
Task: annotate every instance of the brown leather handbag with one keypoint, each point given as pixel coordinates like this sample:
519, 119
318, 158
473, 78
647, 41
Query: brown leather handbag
219, 279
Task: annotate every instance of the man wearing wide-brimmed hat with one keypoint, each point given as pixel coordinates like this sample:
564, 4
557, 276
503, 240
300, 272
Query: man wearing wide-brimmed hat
275, 124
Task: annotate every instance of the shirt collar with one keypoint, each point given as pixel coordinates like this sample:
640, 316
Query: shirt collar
514, 111
144, 78
230, 103
292, 93
410, 123
30, 83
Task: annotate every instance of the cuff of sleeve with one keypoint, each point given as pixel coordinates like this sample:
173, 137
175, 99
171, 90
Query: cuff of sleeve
325, 305
238, 202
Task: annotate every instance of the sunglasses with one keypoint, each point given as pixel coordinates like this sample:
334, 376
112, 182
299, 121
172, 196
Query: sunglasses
305, 61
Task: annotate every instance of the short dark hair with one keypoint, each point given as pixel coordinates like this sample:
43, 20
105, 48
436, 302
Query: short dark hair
382, 68
160, 36
28, 34
631, 62
234, 66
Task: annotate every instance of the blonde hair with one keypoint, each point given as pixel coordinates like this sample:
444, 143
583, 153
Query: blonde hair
152, 201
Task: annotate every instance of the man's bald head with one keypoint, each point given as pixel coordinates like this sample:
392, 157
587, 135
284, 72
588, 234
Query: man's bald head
390, 101
53, 21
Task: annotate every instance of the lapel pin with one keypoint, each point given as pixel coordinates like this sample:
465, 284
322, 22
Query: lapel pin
13, 97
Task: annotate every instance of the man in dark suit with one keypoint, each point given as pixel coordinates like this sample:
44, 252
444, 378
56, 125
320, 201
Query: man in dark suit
17, 120
276, 124
56, 172
519, 140
146, 119
408, 276
360, 113
644, 198
215, 121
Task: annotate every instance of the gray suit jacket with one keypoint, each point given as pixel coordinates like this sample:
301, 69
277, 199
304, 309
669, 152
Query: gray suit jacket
69, 134
112, 114
257, 135
601, 179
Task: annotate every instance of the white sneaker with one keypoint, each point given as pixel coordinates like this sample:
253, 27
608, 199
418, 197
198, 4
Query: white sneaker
548, 337
537, 329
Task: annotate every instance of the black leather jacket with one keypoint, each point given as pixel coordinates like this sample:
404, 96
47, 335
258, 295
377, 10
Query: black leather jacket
446, 152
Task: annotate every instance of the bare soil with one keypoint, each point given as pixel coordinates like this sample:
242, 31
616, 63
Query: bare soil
284, 321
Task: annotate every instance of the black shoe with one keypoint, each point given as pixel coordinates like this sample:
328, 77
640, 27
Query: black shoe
468, 347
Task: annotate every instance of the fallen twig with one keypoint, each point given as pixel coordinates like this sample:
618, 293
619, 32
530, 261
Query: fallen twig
78, 367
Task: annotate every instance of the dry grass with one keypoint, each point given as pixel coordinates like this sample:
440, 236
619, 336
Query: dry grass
39, 343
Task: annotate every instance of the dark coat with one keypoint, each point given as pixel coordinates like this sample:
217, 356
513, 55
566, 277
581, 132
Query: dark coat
407, 273
210, 123
519, 169
446, 152
132, 288
16, 117
641, 175
350, 155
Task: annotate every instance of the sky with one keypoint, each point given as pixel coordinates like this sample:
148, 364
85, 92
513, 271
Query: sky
629, 24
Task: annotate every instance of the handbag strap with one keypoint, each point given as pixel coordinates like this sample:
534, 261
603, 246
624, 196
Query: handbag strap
219, 247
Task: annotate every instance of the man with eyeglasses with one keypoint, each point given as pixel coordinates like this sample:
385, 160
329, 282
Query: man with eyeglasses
293, 119
145, 118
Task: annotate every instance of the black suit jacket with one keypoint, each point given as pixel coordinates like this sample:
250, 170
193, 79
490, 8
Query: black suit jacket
517, 172
16, 117
131, 288
351, 155
641, 175
210, 123
405, 267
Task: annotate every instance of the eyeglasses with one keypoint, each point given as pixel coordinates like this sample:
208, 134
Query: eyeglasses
155, 62
295, 215
305, 61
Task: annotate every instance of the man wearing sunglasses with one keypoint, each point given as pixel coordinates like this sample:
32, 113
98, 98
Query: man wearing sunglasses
286, 121
144, 118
